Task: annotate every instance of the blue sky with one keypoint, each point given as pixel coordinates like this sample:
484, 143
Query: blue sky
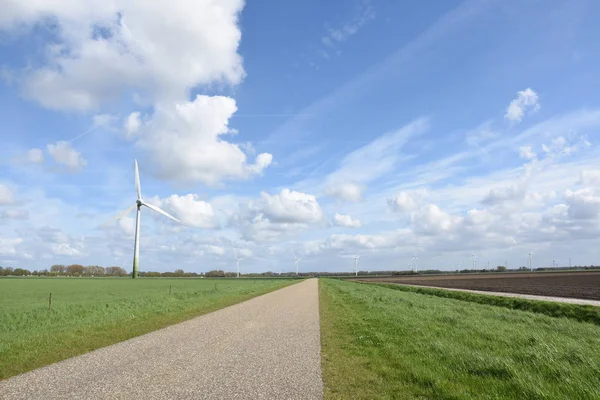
380, 128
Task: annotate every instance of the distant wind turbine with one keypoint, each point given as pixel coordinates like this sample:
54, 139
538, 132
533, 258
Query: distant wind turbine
415, 263
138, 204
530, 264
474, 259
296, 260
237, 261
356, 257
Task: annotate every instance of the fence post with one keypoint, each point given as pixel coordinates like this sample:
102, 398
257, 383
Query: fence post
50, 302
169, 290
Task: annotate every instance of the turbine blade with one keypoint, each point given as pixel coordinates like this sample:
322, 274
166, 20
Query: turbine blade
118, 216
158, 210
138, 188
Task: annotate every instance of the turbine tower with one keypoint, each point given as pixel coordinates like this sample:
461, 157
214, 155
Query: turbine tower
415, 263
530, 264
474, 259
237, 262
356, 257
138, 205
296, 259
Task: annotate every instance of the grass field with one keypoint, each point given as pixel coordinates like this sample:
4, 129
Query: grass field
383, 343
91, 313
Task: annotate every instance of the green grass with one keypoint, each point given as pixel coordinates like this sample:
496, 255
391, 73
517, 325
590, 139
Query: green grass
391, 344
579, 312
91, 313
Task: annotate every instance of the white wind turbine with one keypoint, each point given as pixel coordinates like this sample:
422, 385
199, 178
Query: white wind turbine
356, 257
415, 263
237, 262
138, 205
296, 260
474, 259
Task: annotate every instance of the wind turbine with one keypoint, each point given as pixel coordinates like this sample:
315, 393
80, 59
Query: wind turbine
415, 262
138, 205
356, 257
296, 259
474, 259
237, 261
530, 265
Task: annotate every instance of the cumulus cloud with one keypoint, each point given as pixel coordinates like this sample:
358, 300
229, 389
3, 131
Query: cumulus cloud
132, 124
273, 216
8, 246
583, 204
345, 191
14, 213
590, 177
346, 221
64, 249
127, 225
527, 153
64, 154
35, 156
107, 49
189, 209
404, 202
527, 101
7, 196
194, 131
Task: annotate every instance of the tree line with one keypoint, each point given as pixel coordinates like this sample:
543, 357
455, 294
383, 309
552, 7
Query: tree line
66, 270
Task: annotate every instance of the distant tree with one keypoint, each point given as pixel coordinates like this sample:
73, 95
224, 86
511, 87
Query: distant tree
58, 269
8, 271
215, 273
501, 268
75, 270
178, 272
21, 272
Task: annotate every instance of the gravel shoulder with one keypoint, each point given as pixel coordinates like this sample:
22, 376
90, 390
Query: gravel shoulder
265, 348
519, 295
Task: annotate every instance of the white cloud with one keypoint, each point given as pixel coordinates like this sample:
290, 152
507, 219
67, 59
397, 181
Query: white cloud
346, 221
35, 156
273, 216
14, 213
127, 225
288, 207
590, 177
8, 246
527, 153
345, 191
105, 49
189, 209
194, 131
132, 124
64, 154
404, 202
7, 196
584, 204
364, 14
64, 249
104, 120
526, 101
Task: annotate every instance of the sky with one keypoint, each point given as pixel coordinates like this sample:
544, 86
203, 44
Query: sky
278, 129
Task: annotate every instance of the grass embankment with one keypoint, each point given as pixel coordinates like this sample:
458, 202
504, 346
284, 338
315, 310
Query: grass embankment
391, 344
91, 313
578, 312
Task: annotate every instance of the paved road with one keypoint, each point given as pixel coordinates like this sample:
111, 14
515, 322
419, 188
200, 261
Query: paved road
265, 348
520, 295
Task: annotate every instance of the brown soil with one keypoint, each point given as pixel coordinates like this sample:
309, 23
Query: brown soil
580, 285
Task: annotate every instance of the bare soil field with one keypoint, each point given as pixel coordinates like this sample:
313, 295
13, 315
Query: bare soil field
579, 285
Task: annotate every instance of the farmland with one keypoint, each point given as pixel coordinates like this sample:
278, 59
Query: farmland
581, 285
88, 314
378, 342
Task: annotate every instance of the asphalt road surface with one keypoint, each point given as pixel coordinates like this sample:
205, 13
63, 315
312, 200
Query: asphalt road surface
265, 348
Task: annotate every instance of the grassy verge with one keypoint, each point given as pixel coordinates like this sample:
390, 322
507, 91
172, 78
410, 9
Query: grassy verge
391, 344
91, 313
578, 312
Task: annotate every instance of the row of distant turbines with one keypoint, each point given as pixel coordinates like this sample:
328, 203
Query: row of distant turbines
139, 203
